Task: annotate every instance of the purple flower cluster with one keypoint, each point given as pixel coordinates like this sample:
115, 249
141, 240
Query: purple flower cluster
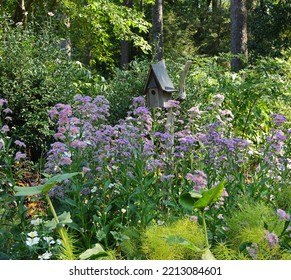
278, 119
198, 178
253, 251
272, 238
283, 215
2, 102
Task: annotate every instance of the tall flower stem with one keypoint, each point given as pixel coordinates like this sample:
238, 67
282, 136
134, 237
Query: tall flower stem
67, 244
205, 229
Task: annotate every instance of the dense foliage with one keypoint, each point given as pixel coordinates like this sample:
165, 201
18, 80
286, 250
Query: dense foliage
89, 171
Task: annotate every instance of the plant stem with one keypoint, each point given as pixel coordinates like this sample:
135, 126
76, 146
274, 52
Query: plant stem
52, 208
205, 229
62, 232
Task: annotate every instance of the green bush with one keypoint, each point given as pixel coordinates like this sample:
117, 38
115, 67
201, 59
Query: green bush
35, 75
123, 86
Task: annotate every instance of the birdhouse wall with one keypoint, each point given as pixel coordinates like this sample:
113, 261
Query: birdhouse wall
157, 97
153, 98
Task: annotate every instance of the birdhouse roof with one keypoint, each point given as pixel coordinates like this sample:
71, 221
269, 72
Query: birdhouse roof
160, 74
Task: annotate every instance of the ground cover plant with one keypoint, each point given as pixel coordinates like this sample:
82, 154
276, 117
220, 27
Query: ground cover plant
134, 178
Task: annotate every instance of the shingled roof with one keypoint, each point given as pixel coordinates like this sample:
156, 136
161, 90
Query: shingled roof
161, 77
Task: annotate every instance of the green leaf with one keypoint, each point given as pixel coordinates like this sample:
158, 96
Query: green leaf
209, 196
23, 191
93, 253
178, 240
187, 200
207, 255
58, 179
64, 218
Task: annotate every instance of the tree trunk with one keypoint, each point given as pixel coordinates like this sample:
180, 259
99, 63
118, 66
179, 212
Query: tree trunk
125, 54
157, 21
125, 44
20, 14
21, 11
239, 37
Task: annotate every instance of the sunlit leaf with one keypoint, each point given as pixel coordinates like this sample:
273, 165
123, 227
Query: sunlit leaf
209, 196
187, 200
94, 253
207, 255
178, 240
64, 218
23, 191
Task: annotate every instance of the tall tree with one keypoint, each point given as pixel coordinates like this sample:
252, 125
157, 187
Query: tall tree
239, 37
157, 29
125, 44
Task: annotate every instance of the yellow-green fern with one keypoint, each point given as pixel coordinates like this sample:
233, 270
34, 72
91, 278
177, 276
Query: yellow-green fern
156, 247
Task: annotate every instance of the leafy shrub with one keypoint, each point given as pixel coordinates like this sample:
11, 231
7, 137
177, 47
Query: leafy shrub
156, 246
125, 85
35, 75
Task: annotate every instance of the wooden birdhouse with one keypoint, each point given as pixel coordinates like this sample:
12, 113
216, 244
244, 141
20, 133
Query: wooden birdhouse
158, 87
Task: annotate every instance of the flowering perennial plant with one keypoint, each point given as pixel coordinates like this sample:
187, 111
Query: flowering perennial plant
144, 162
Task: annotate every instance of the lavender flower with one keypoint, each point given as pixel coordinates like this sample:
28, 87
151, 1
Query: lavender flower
85, 191
5, 128
138, 102
272, 238
198, 178
278, 119
253, 251
19, 156
19, 143
217, 100
86, 169
2, 102
79, 144
65, 161
57, 192
283, 215
7, 111
172, 104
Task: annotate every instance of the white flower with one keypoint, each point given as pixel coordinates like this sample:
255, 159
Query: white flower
220, 217
45, 256
59, 242
32, 234
51, 14
49, 240
36, 222
123, 210
94, 189
31, 241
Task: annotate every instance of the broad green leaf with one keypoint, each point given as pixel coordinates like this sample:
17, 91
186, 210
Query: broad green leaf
209, 196
187, 200
93, 253
23, 191
64, 218
178, 240
207, 255
58, 179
